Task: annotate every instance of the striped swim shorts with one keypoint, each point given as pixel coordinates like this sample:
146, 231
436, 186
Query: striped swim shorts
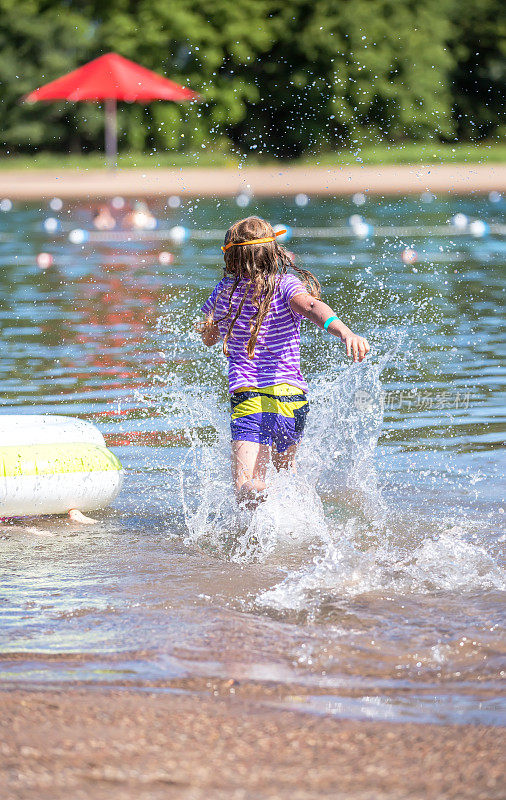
273, 415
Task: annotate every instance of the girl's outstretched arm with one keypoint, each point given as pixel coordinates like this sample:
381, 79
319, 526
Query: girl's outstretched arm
209, 331
319, 312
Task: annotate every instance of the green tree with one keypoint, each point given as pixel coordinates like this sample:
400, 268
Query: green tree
339, 73
287, 77
207, 46
275, 76
38, 43
478, 45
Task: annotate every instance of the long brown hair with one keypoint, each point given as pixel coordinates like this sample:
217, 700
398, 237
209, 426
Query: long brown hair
261, 265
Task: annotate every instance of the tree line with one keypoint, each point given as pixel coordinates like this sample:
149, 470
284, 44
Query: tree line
276, 77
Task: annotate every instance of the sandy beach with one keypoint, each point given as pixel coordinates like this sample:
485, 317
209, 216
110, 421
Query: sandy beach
100, 743
261, 181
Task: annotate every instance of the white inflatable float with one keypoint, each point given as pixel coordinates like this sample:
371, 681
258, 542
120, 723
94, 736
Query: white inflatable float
52, 464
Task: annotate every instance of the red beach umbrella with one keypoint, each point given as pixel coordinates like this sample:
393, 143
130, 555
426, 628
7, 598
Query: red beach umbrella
111, 78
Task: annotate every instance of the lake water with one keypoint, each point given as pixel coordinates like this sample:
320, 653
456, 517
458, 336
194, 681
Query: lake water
369, 585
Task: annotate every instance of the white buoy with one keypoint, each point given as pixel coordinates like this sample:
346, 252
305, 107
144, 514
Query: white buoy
427, 197
78, 236
44, 260
5, 204
51, 225
174, 201
363, 230
478, 228
118, 202
165, 257
495, 197
460, 221
284, 237
301, 200
409, 256
354, 220
56, 204
359, 198
150, 223
179, 234
243, 199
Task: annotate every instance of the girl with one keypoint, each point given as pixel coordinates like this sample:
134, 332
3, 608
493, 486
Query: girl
256, 309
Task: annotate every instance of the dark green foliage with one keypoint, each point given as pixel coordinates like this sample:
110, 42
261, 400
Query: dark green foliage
38, 43
276, 76
478, 77
341, 73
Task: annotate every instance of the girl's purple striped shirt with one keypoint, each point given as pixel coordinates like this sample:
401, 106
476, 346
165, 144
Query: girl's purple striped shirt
277, 351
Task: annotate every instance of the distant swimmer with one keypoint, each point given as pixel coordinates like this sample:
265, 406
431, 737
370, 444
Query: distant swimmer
140, 218
103, 219
256, 310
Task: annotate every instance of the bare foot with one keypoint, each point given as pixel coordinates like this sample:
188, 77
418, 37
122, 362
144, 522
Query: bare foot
251, 494
77, 516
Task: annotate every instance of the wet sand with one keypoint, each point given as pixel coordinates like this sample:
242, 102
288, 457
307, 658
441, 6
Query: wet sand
262, 181
93, 744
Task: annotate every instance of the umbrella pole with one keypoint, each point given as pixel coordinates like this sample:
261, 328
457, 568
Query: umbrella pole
111, 132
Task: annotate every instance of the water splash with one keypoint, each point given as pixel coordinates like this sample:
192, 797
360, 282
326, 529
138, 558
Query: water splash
336, 456
447, 562
326, 526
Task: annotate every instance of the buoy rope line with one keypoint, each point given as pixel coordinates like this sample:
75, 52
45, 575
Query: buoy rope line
345, 232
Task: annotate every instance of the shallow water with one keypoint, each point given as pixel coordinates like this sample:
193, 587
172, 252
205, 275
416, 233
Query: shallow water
369, 585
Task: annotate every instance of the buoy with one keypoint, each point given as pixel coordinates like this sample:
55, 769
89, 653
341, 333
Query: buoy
495, 197
51, 225
118, 202
285, 237
56, 204
174, 201
150, 223
44, 260
179, 234
478, 228
301, 199
460, 221
363, 230
5, 204
78, 236
427, 197
409, 256
52, 464
359, 198
165, 257
354, 220
243, 199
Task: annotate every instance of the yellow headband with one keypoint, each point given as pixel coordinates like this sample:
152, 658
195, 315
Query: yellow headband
255, 241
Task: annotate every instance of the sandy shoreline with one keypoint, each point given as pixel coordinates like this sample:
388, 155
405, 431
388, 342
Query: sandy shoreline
92, 744
261, 181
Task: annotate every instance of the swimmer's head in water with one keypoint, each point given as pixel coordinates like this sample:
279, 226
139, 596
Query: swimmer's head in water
261, 264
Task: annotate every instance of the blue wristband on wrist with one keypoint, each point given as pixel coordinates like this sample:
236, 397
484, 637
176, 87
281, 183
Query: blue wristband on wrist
327, 323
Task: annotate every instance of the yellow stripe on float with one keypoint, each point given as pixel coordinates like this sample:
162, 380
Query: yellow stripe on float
54, 459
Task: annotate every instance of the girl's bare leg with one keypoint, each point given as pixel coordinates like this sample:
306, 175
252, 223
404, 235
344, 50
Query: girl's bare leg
249, 466
284, 460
